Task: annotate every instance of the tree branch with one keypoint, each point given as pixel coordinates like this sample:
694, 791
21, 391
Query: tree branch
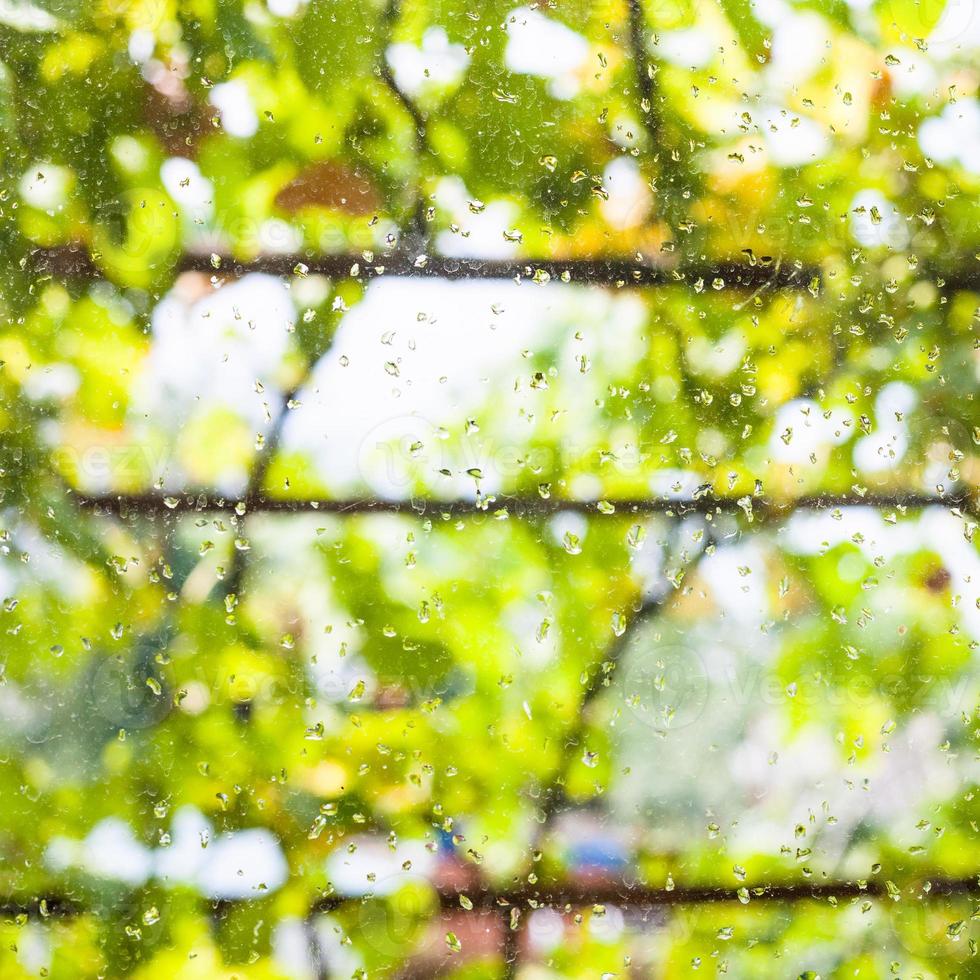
420, 124
598, 678
672, 164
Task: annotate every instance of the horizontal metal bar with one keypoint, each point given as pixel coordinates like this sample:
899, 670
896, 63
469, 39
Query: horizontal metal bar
154, 504
75, 262
579, 894
638, 896
68, 262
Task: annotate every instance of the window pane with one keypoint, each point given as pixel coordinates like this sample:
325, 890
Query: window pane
489, 490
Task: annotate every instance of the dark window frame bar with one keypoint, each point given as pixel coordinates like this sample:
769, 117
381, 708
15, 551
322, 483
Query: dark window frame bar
75, 262
520, 505
577, 894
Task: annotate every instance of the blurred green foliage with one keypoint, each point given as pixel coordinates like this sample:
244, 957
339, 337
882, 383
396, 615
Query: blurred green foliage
497, 698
